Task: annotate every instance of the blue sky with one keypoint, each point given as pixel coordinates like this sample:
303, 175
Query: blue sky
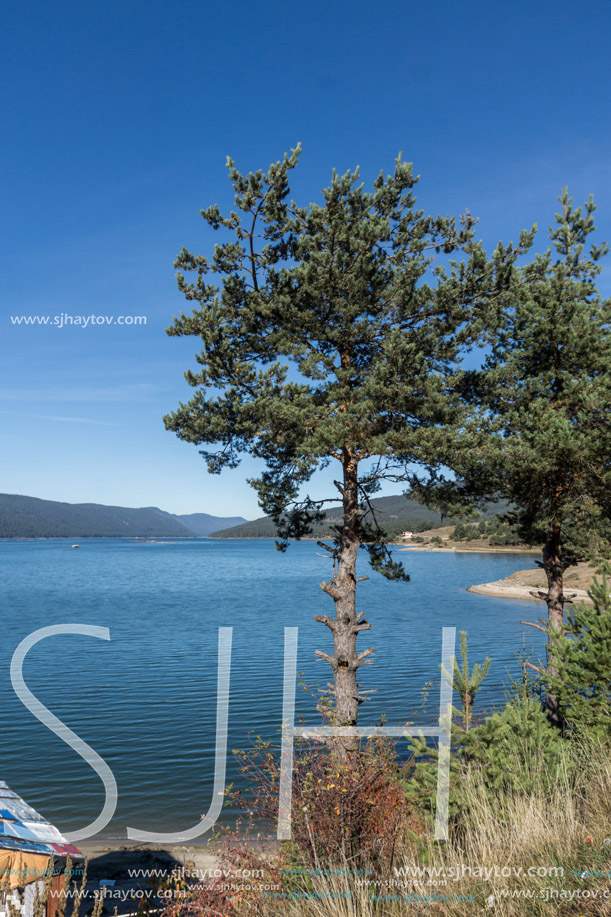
116, 121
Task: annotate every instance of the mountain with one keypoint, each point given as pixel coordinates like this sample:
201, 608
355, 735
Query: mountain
396, 514
30, 517
203, 524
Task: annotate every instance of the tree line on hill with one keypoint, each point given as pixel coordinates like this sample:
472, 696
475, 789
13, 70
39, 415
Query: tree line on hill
497, 530
31, 517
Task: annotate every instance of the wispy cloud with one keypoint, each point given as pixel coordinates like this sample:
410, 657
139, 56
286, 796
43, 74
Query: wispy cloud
103, 423
135, 392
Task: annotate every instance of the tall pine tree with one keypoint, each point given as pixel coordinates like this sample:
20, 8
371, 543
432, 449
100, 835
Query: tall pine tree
329, 335
543, 409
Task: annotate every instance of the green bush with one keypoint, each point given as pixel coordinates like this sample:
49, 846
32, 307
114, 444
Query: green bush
583, 659
515, 750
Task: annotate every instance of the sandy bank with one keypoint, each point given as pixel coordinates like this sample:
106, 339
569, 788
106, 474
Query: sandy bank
523, 583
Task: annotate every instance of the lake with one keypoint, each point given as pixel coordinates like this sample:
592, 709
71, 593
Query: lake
146, 700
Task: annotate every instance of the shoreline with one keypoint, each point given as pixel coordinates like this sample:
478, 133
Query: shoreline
525, 584
501, 549
500, 589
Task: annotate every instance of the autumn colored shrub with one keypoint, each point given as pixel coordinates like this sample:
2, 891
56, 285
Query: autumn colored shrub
251, 883
347, 805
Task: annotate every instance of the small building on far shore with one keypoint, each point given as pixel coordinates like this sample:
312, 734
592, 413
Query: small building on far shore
406, 535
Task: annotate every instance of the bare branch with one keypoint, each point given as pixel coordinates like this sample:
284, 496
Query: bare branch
535, 668
365, 653
536, 626
331, 550
331, 589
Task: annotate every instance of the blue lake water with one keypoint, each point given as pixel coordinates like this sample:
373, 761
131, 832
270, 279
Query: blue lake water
146, 700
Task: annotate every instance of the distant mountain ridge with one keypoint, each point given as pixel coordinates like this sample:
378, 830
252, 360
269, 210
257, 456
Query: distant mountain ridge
203, 524
396, 514
32, 517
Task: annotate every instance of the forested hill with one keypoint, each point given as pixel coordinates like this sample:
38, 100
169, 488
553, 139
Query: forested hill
30, 517
396, 514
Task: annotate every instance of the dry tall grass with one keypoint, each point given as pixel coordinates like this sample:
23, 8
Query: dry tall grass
538, 854
513, 855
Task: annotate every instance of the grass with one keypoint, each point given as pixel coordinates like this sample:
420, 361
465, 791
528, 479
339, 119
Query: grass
511, 855
487, 862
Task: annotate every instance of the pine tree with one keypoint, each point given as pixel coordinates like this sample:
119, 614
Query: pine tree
466, 682
330, 336
583, 660
542, 410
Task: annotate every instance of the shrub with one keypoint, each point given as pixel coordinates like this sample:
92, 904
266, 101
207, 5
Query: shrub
345, 806
583, 660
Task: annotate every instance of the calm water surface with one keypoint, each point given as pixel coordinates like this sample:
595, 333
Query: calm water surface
146, 700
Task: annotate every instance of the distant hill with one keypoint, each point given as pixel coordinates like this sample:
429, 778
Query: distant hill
30, 517
396, 514
203, 524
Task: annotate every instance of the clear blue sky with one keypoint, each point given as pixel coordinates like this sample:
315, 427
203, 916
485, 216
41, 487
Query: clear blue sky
116, 121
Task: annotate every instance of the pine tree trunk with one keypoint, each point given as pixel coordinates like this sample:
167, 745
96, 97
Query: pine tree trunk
554, 569
346, 625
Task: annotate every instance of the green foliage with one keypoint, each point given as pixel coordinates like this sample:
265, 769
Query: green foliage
330, 333
583, 662
499, 532
421, 775
542, 403
514, 751
466, 682
515, 748
506, 535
